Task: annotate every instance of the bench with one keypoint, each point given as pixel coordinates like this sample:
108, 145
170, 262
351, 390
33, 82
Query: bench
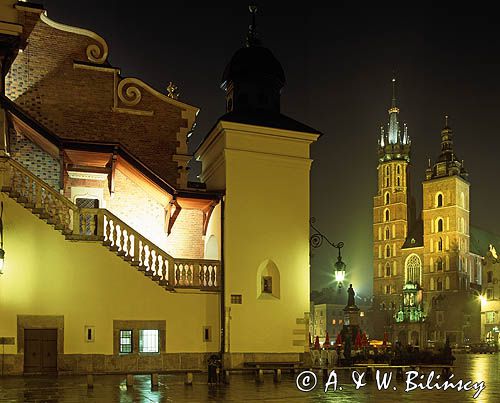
275, 366
188, 380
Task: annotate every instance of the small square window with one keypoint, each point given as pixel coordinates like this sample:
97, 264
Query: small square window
267, 284
89, 334
125, 341
148, 341
207, 333
236, 299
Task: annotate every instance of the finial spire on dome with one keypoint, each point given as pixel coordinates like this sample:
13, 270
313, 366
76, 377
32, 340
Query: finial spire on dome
252, 36
445, 120
393, 90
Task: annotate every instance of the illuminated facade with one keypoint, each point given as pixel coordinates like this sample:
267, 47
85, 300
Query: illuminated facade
114, 261
423, 267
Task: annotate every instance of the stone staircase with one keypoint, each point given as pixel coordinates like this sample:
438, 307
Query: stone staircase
100, 225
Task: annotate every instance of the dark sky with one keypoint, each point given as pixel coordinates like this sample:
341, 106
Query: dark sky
338, 58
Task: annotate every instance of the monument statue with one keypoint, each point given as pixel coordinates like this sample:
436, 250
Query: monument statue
350, 296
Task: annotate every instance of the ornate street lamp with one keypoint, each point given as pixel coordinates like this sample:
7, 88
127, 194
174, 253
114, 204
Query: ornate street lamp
316, 241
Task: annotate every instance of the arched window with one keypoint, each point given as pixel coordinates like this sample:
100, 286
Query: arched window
440, 244
490, 277
387, 170
413, 267
387, 182
387, 269
462, 225
439, 264
439, 284
387, 215
387, 233
398, 169
439, 225
439, 201
387, 198
462, 200
398, 181
387, 251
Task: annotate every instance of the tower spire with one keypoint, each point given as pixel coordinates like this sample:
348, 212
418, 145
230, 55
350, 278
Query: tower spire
395, 143
252, 36
393, 105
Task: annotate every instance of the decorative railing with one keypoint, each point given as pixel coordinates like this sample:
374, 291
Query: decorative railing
102, 225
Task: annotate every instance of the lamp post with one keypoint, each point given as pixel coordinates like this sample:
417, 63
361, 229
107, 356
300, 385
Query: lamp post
316, 240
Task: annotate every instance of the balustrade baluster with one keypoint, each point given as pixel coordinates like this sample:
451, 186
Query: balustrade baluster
128, 245
113, 233
177, 274
100, 224
38, 196
164, 273
122, 238
157, 263
143, 254
90, 218
150, 258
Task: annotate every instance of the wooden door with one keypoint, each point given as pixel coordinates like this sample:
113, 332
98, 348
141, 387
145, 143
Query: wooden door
40, 350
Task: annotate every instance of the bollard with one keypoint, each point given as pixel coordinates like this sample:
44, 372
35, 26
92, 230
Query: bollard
154, 380
277, 375
189, 378
325, 374
259, 376
130, 380
90, 381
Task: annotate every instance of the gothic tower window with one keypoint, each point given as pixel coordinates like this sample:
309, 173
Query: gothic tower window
462, 200
398, 181
387, 269
398, 169
413, 267
387, 251
387, 233
387, 215
439, 264
490, 277
387, 182
387, 198
439, 284
387, 170
440, 244
439, 225
439, 201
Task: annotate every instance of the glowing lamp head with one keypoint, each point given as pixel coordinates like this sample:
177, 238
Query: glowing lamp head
340, 270
482, 298
2, 256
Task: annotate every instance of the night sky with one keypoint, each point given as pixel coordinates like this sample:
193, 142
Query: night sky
338, 60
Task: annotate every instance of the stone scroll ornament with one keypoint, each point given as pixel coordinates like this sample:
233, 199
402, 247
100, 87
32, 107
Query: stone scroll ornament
96, 53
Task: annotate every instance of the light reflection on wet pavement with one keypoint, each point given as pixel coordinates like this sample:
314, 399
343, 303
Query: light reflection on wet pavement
112, 388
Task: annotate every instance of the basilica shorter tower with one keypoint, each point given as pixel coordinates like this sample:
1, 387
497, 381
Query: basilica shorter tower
422, 267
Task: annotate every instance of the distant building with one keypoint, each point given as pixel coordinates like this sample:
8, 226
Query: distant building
330, 316
490, 308
426, 271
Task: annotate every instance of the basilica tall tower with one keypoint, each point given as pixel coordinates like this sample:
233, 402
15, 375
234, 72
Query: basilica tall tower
392, 216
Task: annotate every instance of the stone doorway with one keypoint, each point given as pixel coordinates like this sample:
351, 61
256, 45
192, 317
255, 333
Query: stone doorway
40, 351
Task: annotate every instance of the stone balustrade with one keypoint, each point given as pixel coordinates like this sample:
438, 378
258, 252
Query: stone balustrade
96, 224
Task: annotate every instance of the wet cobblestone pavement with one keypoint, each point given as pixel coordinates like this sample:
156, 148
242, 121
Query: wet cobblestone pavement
112, 388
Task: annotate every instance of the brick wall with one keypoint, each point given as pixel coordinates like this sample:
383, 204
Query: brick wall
35, 159
77, 103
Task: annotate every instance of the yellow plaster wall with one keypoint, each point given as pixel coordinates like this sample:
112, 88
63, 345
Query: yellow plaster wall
266, 216
46, 275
